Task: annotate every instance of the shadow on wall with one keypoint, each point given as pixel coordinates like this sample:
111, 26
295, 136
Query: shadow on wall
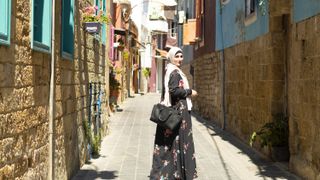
67, 133
74, 143
96, 49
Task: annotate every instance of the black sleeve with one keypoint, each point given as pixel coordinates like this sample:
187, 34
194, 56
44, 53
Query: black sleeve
174, 89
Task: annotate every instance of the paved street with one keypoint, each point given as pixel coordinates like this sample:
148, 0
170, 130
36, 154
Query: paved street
127, 151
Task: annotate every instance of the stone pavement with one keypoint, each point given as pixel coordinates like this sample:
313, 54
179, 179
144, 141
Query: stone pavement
127, 151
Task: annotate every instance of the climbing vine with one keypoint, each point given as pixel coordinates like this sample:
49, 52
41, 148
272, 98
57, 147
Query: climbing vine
93, 140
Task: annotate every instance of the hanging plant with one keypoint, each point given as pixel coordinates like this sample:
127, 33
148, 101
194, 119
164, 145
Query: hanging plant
126, 54
263, 6
93, 14
93, 18
146, 72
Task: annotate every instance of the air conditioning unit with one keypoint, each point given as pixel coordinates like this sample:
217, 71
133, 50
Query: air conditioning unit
181, 17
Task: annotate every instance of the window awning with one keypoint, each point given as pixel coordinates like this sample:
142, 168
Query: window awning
120, 31
162, 53
169, 2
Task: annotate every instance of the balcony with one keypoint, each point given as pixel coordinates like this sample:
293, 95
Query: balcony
189, 32
158, 25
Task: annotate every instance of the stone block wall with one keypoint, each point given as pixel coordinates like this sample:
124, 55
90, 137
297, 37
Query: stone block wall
207, 82
277, 73
304, 98
254, 83
24, 99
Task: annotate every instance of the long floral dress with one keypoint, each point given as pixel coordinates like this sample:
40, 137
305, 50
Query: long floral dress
173, 156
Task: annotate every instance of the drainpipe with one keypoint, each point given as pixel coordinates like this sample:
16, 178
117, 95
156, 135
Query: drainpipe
223, 75
52, 99
224, 125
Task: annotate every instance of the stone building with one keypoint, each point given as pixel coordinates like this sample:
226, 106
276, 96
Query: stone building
125, 51
265, 62
303, 71
81, 88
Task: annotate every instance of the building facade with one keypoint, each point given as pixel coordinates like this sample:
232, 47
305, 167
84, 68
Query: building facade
303, 88
126, 50
261, 63
81, 84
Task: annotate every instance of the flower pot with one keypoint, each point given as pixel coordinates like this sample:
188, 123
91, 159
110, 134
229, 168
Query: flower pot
92, 27
115, 93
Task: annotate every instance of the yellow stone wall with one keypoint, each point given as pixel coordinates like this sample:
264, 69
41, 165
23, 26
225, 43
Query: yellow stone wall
277, 73
254, 84
304, 98
24, 98
207, 82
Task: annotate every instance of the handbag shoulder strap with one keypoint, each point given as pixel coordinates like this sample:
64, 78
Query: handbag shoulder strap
163, 87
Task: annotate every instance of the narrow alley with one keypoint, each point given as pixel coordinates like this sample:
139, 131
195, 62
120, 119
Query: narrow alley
126, 151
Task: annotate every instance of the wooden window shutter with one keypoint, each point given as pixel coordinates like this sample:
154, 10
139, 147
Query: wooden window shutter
111, 42
104, 26
41, 28
198, 18
67, 26
5, 10
189, 34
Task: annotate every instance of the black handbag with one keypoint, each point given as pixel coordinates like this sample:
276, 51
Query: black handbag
167, 117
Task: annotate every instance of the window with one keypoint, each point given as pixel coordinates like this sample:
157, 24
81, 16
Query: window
41, 25
172, 29
111, 42
224, 1
104, 26
67, 42
250, 7
250, 11
101, 4
5, 16
200, 24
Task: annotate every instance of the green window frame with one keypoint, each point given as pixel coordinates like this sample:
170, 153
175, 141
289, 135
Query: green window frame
5, 21
67, 29
41, 25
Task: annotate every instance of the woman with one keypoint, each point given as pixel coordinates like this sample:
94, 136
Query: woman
173, 156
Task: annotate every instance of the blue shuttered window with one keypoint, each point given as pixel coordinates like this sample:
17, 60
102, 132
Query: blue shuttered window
67, 42
104, 27
41, 25
5, 16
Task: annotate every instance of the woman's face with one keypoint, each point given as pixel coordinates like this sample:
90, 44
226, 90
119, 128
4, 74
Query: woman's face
177, 59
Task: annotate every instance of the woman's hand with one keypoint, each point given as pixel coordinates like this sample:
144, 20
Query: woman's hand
194, 93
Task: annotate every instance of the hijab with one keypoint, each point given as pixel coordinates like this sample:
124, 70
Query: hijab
173, 51
169, 69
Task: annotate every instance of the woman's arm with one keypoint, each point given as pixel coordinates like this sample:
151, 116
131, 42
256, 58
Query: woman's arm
176, 86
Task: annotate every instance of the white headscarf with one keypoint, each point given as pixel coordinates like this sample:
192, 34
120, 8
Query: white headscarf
173, 51
169, 68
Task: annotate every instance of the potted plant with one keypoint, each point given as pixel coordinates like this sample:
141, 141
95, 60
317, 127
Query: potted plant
126, 54
93, 18
274, 135
114, 86
146, 72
